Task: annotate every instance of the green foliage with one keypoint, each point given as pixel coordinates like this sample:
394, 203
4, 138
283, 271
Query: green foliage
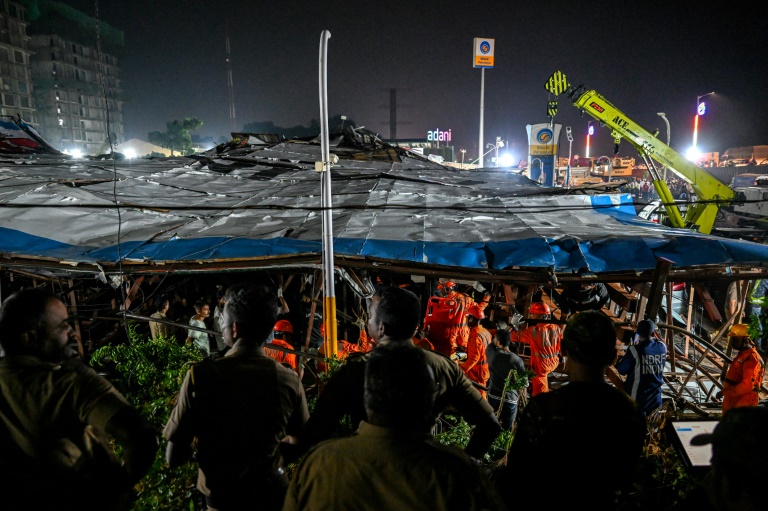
517, 381
754, 329
455, 432
333, 364
660, 480
149, 374
176, 137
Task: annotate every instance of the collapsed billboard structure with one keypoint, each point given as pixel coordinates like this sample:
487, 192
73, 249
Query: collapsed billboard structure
255, 203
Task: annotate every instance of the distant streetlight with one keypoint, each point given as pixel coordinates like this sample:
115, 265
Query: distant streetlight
499, 143
462, 157
669, 137
590, 132
701, 109
490, 148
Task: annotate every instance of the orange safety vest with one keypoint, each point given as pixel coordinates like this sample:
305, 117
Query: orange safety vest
281, 356
743, 380
476, 364
365, 344
458, 329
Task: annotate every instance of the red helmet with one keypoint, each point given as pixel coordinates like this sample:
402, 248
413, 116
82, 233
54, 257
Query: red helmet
283, 325
449, 283
539, 308
475, 311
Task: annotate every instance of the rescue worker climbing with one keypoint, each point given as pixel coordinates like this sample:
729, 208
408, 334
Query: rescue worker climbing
544, 340
458, 331
344, 348
476, 364
283, 331
745, 374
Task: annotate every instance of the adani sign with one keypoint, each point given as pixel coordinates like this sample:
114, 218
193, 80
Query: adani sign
439, 136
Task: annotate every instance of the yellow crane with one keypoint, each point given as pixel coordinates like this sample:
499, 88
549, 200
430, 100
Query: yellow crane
711, 192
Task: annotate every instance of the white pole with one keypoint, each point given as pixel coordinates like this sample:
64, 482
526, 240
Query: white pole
480, 146
329, 292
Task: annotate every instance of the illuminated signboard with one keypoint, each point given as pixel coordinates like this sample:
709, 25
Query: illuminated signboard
484, 49
439, 136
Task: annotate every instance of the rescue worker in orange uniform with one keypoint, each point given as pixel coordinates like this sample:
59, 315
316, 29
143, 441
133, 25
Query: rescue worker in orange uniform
344, 348
745, 374
544, 340
423, 343
458, 331
476, 364
283, 330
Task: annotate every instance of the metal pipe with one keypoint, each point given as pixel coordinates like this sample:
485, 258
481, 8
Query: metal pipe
329, 291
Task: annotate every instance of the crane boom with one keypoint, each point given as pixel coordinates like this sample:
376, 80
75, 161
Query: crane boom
711, 192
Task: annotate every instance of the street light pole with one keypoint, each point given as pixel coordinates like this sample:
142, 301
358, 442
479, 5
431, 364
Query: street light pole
669, 137
589, 135
570, 146
462, 157
482, 107
499, 143
700, 109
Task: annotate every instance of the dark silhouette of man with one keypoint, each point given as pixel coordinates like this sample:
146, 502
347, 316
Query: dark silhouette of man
576, 424
239, 408
393, 317
56, 417
392, 461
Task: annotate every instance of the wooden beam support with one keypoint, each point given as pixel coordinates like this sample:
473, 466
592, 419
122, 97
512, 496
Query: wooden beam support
625, 299
663, 267
73, 308
709, 303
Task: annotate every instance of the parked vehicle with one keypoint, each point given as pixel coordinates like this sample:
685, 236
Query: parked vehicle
740, 180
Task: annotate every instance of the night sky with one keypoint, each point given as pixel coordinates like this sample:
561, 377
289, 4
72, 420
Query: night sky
645, 57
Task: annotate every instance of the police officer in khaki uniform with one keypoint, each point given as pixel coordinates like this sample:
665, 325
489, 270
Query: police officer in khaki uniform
56, 415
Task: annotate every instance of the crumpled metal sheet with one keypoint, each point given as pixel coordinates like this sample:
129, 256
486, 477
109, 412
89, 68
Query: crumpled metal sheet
265, 203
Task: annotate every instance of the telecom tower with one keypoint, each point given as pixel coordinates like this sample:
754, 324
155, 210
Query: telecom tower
230, 83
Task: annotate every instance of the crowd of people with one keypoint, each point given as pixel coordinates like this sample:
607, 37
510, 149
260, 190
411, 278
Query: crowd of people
242, 415
643, 190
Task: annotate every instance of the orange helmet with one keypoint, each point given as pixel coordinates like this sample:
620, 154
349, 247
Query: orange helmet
539, 308
476, 312
283, 325
739, 330
449, 284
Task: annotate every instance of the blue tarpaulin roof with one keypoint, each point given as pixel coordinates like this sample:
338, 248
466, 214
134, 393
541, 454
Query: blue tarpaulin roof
259, 204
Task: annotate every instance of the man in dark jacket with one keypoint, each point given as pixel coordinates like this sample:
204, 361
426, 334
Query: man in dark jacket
501, 361
576, 423
238, 410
